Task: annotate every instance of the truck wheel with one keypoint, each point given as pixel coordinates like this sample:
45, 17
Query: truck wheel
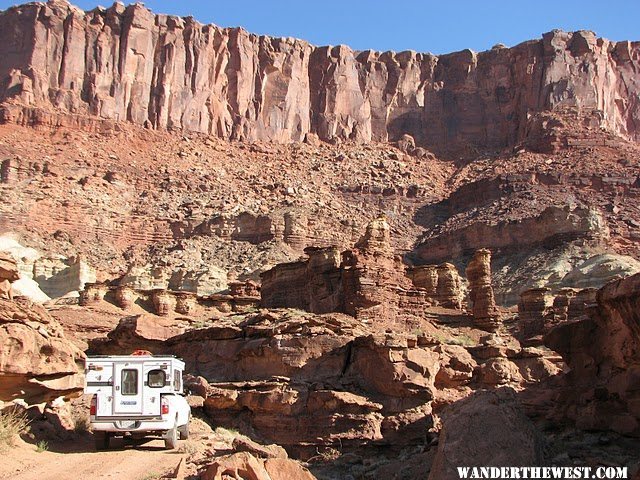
171, 438
184, 431
102, 440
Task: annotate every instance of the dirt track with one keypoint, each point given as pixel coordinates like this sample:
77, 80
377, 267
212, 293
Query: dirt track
148, 461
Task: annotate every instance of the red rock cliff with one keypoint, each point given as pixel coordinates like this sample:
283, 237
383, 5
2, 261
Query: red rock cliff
125, 63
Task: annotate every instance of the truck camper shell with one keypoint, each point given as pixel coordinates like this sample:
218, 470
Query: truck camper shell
138, 393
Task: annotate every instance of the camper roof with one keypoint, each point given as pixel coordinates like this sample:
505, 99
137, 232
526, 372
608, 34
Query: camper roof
129, 357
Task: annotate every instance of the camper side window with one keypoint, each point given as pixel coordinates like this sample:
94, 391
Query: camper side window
129, 381
177, 380
156, 378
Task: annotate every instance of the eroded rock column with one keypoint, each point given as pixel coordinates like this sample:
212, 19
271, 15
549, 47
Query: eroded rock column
163, 302
93, 293
125, 297
185, 302
426, 277
485, 314
448, 290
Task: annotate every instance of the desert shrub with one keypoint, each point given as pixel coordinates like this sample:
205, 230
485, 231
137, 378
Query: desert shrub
81, 424
12, 423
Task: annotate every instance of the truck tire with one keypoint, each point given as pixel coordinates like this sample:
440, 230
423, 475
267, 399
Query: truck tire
102, 440
171, 438
184, 431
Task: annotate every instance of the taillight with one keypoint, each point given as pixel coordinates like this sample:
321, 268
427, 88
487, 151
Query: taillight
164, 407
94, 406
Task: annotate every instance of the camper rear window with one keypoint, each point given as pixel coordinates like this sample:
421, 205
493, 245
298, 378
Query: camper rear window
156, 378
129, 381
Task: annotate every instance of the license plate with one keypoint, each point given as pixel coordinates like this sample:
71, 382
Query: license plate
126, 424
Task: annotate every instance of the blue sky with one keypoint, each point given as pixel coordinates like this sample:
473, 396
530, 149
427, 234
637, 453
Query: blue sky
427, 26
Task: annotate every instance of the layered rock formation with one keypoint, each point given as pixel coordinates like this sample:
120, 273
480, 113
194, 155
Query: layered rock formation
44, 277
37, 363
554, 225
299, 380
310, 382
125, 63
314, 285
603, 353
161, 301
148, 277
368, 281
533, 311
441, 283
539, 310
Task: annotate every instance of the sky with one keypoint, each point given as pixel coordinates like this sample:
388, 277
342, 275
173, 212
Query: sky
426, 26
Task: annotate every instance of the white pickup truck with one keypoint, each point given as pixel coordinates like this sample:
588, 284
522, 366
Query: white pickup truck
138, 395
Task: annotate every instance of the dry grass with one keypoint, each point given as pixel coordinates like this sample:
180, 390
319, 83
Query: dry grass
12, 424
81, 423
227, 433
189, 448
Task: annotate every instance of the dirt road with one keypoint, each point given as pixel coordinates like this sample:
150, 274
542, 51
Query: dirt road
145, 462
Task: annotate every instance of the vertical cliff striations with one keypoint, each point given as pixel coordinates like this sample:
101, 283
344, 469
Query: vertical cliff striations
165, 72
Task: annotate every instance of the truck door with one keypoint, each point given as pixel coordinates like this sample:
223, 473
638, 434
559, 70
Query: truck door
127, 388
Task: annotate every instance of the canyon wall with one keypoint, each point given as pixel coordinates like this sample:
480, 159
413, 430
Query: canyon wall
165, 72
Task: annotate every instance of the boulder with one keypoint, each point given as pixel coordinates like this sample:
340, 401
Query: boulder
487, 429
499, 371
456, 366
244, 466
245, 444
138, 332
8, 274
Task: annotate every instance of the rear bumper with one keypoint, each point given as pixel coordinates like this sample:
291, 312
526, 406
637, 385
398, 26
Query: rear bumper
132, 424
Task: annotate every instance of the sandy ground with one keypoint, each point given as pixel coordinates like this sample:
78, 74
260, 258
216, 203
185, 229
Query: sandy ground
143, 462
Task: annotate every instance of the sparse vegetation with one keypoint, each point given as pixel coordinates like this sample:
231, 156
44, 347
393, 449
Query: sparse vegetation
190, 448
12, 424
228, 433
458, 339
81, 423
462, 340
326, 455
151, 476
42, 446
200, 324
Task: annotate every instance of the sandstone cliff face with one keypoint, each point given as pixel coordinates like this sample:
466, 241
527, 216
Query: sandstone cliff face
125, 63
